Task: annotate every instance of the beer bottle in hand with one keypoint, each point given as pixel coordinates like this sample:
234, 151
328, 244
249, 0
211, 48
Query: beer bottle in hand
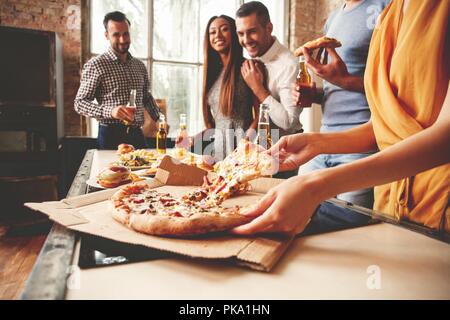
131, 105
304, 84
182, 141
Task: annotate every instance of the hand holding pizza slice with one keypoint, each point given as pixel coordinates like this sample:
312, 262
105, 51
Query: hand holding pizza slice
141, 208
322, 42
247, 162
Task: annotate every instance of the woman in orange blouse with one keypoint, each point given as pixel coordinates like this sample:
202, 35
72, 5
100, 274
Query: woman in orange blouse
407, 86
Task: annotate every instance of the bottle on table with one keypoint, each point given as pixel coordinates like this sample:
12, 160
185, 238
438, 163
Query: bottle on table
263, 136
161, 135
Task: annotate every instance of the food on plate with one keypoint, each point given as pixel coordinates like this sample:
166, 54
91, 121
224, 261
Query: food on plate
146, 210
124, 148
322, 42
113, 176
138, 158
135, 178
151, 159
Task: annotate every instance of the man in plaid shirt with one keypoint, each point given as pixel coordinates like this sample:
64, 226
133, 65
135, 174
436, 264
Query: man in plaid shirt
109, 78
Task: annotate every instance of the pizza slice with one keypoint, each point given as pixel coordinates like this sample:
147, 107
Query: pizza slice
143, 209
232, 175
322, 42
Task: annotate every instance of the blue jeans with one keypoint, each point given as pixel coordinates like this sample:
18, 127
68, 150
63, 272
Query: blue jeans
363, 197
111, 135
329, 217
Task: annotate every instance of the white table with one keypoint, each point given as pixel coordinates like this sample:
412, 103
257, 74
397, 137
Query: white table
375, 262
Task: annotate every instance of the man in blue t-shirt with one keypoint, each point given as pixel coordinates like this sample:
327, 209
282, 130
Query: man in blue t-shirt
343, 99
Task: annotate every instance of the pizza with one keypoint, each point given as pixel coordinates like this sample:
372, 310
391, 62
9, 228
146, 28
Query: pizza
247, 162
143, 209
322, 42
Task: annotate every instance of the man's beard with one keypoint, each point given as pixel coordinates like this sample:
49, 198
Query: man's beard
122, 48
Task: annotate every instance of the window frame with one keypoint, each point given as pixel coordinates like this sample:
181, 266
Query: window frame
86, 52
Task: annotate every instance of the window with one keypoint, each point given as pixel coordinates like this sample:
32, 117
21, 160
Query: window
167, 35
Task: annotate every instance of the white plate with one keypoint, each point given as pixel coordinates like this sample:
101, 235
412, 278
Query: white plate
142, 173
92, 182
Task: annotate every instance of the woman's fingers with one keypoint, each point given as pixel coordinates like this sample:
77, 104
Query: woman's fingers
263, 219
261, 206
255, 226
280, 145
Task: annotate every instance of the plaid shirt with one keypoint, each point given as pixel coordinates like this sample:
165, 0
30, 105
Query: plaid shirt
109, 80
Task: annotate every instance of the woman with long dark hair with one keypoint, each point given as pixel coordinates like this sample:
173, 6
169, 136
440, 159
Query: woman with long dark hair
229, 106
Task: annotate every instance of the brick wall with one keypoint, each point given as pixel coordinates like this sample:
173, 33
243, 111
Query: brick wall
62, 17
307, 18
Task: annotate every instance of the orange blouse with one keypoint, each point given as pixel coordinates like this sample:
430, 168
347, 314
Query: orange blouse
406, 80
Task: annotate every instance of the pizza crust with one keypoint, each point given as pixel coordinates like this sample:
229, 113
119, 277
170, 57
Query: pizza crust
211, 220
322, 42
120, 215
177, 226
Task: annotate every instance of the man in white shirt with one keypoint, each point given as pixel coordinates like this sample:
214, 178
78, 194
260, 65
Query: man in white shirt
254, 30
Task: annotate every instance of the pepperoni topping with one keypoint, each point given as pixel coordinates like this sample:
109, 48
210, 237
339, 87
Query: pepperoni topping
206, 181
221, 188
133, 189
165, 199
175, 214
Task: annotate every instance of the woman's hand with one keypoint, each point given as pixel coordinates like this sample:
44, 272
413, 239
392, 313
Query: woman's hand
286, 208
294, 150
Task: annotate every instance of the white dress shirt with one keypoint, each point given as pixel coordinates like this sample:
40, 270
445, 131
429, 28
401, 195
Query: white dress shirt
282, 69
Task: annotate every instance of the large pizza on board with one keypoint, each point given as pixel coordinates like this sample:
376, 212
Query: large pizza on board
144, 209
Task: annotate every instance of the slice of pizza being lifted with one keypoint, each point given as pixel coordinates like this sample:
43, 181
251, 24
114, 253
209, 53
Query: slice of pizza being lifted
232, 175
322, 42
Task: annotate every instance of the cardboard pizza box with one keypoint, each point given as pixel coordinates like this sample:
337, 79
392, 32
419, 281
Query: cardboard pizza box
91, 214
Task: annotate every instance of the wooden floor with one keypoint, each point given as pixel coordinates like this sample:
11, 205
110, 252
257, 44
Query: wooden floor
19, 248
